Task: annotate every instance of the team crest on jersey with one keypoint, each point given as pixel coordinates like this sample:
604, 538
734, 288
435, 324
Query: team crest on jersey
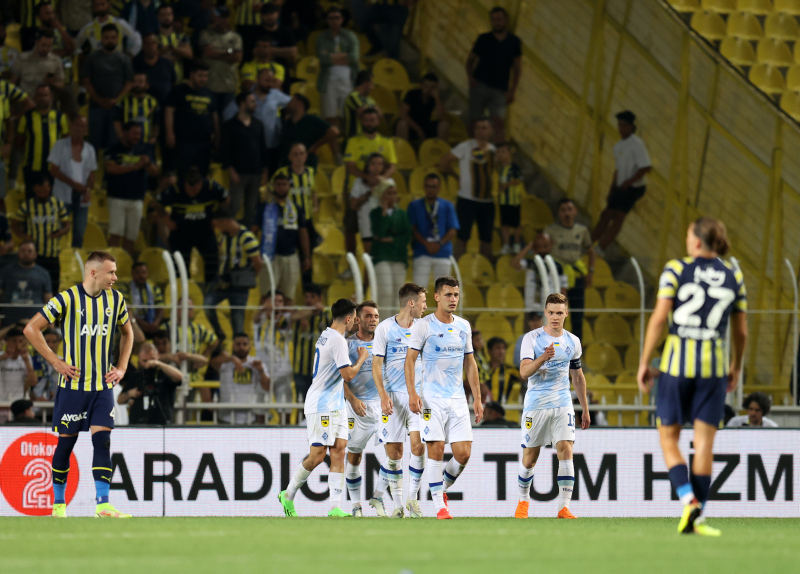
324, 421
528, 422
351, 423
108, 311
385, 418
426, 414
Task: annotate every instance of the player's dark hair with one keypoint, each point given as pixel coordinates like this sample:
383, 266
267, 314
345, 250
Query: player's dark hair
495, 341
372, 156
138, 264
280, 177
445, 280
363, 77
342, 308
160, 335
499, 9
100, 257
364, 304
432, 175
312, 288
369, 110
19, 406
270, 293
109, 28
532, 315
563, 201
199, 66
713, 233
556, 299
241, 335
14, 333
409, 291
431, 77
763, 400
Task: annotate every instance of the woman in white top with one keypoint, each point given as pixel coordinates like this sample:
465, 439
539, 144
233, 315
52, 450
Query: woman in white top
73, 164
362, 200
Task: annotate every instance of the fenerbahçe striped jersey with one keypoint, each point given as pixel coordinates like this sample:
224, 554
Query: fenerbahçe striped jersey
443, 346
548, 388
391, 343
363, 385
704, 293
88, 325
327, 387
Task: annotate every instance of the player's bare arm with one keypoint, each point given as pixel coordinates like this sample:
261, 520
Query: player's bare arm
579, 382
414, 402
358, 406
387, 406
349, 373
474, 385
654, 329
116, 373
33, 332
739, 339
529, 366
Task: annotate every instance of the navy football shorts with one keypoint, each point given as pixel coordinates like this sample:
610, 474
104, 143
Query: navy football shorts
76, 411
682, 400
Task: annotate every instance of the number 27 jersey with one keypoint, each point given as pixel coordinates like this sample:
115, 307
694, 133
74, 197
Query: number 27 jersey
704, 293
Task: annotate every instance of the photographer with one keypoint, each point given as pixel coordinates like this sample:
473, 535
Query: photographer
149, 389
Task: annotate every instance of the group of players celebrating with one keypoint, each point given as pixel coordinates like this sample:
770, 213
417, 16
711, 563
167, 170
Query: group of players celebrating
404, 377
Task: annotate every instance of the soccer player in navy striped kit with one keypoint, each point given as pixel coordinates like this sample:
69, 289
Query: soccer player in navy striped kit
87, 314
698, 294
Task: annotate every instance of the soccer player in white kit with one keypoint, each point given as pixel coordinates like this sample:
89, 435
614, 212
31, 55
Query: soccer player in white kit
388, 370
363, 403
324, 408
445, 341
550, 355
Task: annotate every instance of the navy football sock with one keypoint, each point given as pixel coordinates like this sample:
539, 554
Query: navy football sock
701, 485
61, 467
679, 477
101, 464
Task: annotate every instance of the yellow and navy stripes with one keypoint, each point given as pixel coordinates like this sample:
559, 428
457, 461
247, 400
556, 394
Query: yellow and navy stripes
140, 110
512, 195
42, 219
482, 165
302, 186
42, 131
236, 251
352, 127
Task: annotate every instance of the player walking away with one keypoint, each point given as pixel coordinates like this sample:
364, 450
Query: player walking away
324, 407
698, 294
87, 314
445, 341
388, 369
550, 357
363, 404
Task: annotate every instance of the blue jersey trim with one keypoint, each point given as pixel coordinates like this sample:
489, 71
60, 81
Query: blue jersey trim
417, 350
468, 352
353, 480
381, 356
344, 367
317, 444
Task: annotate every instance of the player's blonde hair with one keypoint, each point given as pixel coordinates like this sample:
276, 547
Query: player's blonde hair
556, 299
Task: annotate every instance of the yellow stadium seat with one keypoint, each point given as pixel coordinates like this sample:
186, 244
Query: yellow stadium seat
197, 267
602, 273
326, 159
720, 6
431, 151
98, 209
507, 274
416, 181
458, 129
781, 27
774, 52
94, 239
535, 212
505, 296
156, 267
400, 183
622, 296
338, 179
195, 294
611, 328
767, 78
364, 45
402, 202
450, 189
790, 103
322, 184
685, 5
709, 25
390, 74
494, 325
386, 99
758, 7
739, 52
603, 359
406, 156
598, 384
793, 78
637, 335
588, 333
476, 268
308, 69
632, 357
124, 262
341, 290
744, 26
471, 297
323, 271
332, 240
71, 272
330, 209
593, 299
787, 6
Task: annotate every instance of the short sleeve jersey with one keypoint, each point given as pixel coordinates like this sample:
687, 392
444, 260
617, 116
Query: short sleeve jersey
548, 388
443, 346
363, 385
391, 342
197, 210
327, 386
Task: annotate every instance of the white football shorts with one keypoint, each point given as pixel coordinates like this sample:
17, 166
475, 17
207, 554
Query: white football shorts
445, 420
361, 429
324, 428
395, 427
546, 427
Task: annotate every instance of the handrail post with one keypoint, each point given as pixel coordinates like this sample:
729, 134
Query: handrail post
372, 276
795, 330
359, 281
173, 332
642, 308
180, 264
554, 277
80, 264
740, 382
271, 360
457, 271
540, 266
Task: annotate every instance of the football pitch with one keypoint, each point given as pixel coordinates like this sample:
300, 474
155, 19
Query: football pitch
320, 545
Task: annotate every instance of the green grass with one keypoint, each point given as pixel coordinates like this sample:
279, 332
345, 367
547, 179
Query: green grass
318, 545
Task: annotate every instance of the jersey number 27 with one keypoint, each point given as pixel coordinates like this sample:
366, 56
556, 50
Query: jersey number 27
694, 297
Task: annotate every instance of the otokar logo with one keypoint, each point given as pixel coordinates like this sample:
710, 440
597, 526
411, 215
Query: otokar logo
25, 475
93, 330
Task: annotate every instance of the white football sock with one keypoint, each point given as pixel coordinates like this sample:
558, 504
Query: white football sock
566, 481
298, 479
353, 480
451, 472
435, 483
416, 466
382, 484
335, 480
524, 481
395, 476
